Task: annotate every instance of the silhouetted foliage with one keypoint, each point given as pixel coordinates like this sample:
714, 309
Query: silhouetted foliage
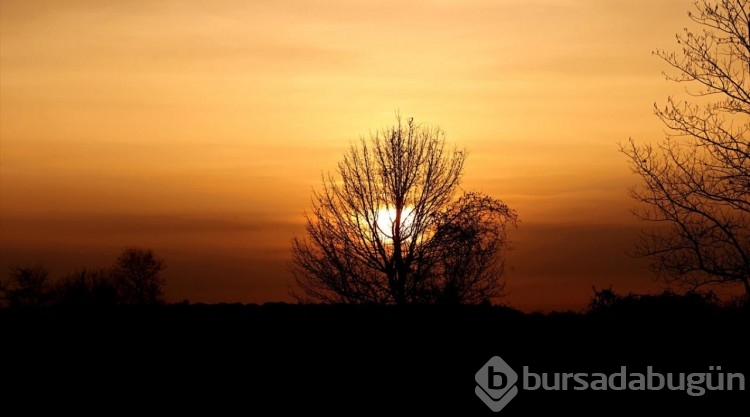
388, 229
666, 303
603, 299
86, 288
26, 286
137, 277
133, 279
468, 251
697, 182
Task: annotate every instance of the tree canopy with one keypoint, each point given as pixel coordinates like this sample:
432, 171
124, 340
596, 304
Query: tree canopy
388, 228
696, 183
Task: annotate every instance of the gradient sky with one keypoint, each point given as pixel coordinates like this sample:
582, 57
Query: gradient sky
199, 128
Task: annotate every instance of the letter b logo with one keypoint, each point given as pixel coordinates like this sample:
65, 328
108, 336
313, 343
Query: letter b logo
493, 376
496, 383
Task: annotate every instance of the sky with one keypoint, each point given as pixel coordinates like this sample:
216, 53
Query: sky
199, 129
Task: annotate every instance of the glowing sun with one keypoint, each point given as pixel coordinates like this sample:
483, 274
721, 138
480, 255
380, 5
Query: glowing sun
386, 222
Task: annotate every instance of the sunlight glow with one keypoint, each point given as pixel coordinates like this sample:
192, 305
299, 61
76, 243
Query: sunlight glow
386, 219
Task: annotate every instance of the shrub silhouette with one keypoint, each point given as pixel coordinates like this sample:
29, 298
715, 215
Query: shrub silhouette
26, 286
86, 288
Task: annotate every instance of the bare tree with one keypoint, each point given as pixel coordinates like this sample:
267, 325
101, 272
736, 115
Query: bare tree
137, 276
26, 286
387, 228
696, 183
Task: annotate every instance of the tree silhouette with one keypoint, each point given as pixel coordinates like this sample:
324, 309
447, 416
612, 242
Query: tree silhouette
388, 230
696, 183
86, 288
26, 286
468, 251
137, 276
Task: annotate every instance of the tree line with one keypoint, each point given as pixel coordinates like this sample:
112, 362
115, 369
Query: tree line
133, 279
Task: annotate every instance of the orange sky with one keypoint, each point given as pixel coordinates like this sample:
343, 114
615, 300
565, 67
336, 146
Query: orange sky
199, 128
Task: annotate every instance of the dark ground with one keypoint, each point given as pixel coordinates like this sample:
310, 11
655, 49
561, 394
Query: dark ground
279, 359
